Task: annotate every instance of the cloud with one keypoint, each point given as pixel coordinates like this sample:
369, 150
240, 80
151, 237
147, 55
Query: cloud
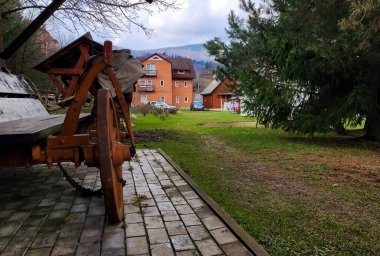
196, 22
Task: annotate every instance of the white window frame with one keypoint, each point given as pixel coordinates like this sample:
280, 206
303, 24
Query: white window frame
186, 99
142, 83
184, 83
162, 98
150, 83
144, 96
176, 83
162, 83
150, 66
177, 99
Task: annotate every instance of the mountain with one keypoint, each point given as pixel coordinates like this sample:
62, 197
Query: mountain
196, 52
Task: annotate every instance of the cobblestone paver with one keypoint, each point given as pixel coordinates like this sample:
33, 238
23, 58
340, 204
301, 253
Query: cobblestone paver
41, 214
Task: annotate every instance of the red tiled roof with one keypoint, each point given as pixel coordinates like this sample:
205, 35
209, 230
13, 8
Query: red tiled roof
182, 65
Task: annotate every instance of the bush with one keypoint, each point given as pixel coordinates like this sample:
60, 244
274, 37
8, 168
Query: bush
146, 109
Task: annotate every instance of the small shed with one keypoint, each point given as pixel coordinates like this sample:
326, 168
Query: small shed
217, 93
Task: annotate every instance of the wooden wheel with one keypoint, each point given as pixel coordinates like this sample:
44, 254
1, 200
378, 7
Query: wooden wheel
111, 175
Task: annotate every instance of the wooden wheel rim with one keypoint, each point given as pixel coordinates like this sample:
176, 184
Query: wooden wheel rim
110, 175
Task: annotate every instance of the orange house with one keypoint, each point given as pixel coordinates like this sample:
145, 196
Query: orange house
217, 93
168, 80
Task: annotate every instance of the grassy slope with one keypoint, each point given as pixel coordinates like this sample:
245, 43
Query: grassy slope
296, 195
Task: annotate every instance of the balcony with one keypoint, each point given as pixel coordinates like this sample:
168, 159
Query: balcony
146, 88
150, 72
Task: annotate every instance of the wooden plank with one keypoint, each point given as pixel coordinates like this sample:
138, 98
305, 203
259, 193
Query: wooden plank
12, 84
20, 108
31, 130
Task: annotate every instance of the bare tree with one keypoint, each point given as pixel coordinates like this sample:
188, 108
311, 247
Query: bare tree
102, 17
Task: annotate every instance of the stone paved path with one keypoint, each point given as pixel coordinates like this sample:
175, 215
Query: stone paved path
41, 214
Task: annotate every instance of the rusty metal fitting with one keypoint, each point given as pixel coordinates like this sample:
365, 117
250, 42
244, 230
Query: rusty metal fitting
120, 153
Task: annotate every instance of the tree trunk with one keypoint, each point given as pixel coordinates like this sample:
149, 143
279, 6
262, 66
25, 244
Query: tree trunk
339, 128
372, 126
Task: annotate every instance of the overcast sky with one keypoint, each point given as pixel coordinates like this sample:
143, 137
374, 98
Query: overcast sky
196, 22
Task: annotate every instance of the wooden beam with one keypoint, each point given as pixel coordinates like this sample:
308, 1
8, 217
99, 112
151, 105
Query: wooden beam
65, 71
73, 86
57, 84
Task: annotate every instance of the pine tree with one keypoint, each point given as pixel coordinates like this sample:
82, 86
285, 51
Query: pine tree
302, 66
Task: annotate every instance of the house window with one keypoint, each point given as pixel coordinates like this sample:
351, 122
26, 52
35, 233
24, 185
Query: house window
180, 72
186, 99
162, 98
142, 83
144, 98
149, 82
151, 69
162, 83
177, 99
185, 83
176, 83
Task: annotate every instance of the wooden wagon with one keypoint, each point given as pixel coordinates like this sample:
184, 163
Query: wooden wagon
29, 136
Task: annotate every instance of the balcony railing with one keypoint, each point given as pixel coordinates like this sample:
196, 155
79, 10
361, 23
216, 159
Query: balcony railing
146, 88
150, 72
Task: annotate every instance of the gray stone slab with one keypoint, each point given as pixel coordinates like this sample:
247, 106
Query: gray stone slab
223, 236
130, 208
71, 230
38, 252
235, 249
213, 223
158, 236
44, 240
9, 228
64, 246
190, 220
88, 249
182, 243
112, 241
184, 209
151, 211
198, 233
162, 249
113, 252
175, 228
208, 247
154, 222
131, 218
170, 215
137, 245
188, 253
133, 230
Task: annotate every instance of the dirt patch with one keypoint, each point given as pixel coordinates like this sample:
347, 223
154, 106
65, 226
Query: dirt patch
231, 124
153, 135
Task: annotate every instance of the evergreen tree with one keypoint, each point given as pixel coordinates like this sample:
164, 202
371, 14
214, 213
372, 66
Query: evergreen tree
23, 61
303, 66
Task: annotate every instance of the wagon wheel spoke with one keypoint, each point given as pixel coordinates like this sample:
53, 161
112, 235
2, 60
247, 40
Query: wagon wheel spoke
108, 135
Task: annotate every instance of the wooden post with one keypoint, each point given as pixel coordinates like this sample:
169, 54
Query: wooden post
2, 62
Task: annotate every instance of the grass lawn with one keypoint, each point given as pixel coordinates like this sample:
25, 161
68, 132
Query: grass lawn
296, 195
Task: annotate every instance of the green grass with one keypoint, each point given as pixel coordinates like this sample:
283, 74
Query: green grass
296, 195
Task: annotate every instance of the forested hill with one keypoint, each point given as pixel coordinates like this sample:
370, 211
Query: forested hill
196, 52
